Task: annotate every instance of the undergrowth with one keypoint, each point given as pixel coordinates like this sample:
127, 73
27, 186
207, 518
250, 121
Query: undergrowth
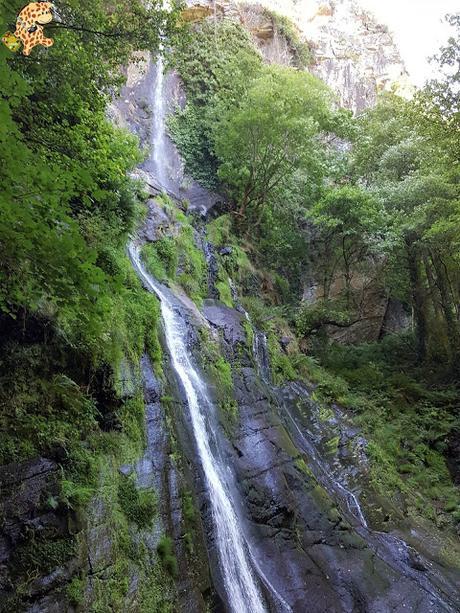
177, 258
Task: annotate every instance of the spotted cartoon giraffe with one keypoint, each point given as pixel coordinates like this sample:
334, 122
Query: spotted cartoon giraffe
29, 25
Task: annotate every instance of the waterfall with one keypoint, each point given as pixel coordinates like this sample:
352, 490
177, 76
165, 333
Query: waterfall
234, 556
158, 139
240, 584
260, 351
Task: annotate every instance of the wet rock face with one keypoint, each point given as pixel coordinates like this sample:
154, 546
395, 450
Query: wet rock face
226, 319
27, 494
134, 110
307, 547
311, 545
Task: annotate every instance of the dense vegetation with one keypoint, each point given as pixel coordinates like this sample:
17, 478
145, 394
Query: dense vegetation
74, 319
381, 211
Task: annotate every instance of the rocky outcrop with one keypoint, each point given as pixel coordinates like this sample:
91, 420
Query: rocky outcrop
225, 319
300, 469
373, 314
353, 53
36, 545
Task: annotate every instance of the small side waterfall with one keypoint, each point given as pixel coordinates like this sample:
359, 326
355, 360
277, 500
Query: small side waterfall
243, 594
260, 350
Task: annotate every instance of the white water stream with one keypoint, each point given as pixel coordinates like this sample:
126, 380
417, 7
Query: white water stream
237, 565
240, 584
158, 139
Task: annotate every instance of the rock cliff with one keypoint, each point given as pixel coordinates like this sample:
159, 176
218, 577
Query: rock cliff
353, 53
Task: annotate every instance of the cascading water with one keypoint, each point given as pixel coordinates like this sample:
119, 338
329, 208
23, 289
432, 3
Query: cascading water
260, 350
240, 584
158, 139
242, 566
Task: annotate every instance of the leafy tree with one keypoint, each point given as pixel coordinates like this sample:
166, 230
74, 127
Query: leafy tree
348, 220
64, 166
70, 308
407, 171
217, 65
270, 137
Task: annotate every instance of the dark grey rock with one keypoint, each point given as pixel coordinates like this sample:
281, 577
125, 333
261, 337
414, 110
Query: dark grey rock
157, 223
226, 319
285, 341
226, 250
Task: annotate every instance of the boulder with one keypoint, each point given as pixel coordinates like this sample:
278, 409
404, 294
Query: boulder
226, 319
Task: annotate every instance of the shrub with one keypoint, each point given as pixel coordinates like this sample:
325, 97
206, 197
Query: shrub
165, 550
139, 505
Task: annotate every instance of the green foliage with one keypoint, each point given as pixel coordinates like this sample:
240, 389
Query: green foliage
220, 373
72, 310
161, 258
215, 64
139, 505
407, 165
188, 508
192, 265
43, 555
165, 550
220, 230
75, 591
247, 135
179, 259
312, 317
280, 363
55, 180
300, 49
225, 292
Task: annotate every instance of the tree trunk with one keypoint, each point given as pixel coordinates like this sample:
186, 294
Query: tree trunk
446, 304
418, 294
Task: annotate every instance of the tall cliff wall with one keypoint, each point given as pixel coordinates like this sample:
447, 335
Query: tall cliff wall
354, 54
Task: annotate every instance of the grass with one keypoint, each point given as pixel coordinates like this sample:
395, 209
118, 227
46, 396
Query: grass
165, 550
178, 258
139, 505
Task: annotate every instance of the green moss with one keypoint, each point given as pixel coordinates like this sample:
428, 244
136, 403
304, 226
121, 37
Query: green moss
303, 467
220, 230
249, 331
165, 550
76, 591
332, 445
155, 265
188, 507
225, 293
281, 364
139, 506
301, 51
42, 555
222, 372
194, 276
165, 257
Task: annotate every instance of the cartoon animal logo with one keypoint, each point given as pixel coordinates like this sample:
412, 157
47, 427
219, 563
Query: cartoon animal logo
29, 26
